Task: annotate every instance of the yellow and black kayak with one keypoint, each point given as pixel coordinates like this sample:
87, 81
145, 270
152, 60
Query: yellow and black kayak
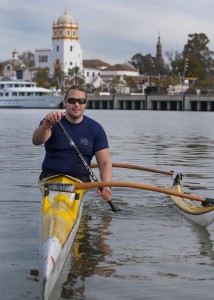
199, 214
61, 213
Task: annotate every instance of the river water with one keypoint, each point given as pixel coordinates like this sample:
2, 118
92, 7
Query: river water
148, 251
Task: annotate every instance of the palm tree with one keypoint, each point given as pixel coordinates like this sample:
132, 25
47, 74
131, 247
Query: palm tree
75, 75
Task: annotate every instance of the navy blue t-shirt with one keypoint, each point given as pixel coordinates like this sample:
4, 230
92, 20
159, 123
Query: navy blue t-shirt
89, 137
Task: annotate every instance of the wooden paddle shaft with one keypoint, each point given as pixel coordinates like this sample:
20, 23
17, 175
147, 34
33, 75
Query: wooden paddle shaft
128, 166
91, 185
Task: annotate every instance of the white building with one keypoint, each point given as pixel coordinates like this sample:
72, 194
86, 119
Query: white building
93, 69
66, 52
120, 70
14, 68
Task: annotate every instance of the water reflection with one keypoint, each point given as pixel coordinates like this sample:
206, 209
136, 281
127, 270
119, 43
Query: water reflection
205, 242
89, 251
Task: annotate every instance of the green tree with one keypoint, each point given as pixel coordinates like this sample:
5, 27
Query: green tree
58, 79
75, 75
145, 64
197, 45
195, 61
200, 58
42, 78
131, 82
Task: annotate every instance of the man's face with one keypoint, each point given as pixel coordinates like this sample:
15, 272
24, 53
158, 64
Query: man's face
74, 109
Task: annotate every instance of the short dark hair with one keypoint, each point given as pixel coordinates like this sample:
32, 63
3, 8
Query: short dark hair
75, 87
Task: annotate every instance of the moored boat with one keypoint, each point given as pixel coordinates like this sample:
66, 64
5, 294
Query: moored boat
61, 213
199, 214
26, 94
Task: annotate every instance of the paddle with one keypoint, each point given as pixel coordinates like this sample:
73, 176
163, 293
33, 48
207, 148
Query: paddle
127, 166
91, 185
93, 176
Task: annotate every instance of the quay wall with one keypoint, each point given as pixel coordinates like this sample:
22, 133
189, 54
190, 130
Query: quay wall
152, 102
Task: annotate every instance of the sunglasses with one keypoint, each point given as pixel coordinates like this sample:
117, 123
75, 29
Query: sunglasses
74, 100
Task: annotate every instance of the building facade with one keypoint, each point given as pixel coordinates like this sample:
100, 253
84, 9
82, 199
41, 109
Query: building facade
66, 52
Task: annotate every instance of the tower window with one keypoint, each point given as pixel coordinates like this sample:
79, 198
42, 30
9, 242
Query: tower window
68, 32
74, 33
71, 48
57, 48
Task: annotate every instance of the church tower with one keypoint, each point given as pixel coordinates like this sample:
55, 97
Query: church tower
159, 57
66, 50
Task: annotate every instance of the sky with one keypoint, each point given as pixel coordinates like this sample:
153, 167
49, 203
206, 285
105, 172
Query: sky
112, 31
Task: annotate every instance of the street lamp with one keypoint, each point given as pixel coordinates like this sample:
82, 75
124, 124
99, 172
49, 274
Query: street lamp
184, 72
186, 61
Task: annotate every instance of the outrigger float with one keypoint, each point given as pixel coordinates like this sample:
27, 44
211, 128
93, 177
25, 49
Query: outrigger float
202, 215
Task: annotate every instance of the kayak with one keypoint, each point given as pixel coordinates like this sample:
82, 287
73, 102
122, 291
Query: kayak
61, 213
193, 212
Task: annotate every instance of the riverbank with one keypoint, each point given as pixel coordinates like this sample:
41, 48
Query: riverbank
152, 102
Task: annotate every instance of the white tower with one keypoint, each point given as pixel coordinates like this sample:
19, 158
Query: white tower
66, 50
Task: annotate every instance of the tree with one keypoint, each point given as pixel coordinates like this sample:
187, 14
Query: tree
197, 46
28, 58
196, 60
42, 78
200, 58
75, 75
131, 82
176, 62
58, 79
145, 64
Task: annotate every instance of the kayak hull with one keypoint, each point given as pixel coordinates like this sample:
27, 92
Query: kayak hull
61, 214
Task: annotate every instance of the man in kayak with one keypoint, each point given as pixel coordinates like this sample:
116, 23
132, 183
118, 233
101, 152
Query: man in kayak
87, 134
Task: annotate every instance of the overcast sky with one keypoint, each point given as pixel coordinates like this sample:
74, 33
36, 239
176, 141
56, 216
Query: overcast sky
111, 30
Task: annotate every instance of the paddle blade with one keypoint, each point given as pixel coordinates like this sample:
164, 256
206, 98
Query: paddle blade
113, 207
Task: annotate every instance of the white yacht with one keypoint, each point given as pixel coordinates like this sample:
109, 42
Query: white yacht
26, 94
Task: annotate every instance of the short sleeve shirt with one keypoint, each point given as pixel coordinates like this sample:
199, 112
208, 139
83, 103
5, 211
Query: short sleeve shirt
88, 136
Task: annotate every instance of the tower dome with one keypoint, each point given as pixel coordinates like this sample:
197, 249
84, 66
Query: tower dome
65, 19
67, 52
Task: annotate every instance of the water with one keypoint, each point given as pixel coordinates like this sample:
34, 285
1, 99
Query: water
146, 252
